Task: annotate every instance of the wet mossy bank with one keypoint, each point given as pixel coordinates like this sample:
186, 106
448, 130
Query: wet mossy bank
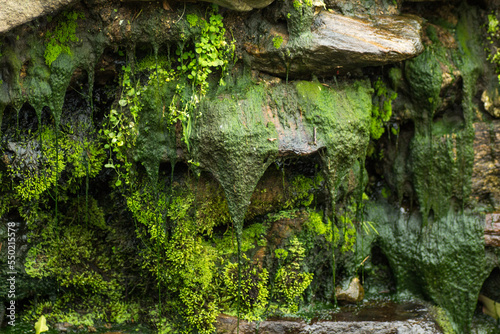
153, 175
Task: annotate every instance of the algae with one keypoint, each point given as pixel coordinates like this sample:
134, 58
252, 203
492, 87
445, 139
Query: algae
234, 139
441, 157
444, 261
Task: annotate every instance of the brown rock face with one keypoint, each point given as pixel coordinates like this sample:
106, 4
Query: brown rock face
16, 12
486, 172
339, 43
492, 230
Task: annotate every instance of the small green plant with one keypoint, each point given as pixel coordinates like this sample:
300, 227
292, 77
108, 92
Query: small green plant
277, 41
183, 265
211, 51
121, 130
59, 40
297, 4
349, 232
254, 290
290, 281
41, 325
493, 32
192, 19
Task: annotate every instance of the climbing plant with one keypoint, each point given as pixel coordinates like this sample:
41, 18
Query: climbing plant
177, 86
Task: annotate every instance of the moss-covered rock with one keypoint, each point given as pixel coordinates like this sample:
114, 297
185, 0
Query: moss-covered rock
444, 261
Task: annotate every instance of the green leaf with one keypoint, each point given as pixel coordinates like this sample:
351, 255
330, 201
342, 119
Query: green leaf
122, 102
41, 325
118, 182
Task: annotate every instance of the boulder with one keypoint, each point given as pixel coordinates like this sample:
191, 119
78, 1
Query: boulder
491, 100
337, 43
353, 294
492, 230
14, 12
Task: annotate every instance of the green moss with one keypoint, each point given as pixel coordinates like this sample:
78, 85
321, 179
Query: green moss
425, 77
212, 209
340, 119
277, 41
315, 225
442, 149
59, 40
440, 315
70, 253
35, 169
183, 265
382, 109
290, 281
217, 144
300, 191
443, 261
251, 237
254, 288
395, 76
299, 19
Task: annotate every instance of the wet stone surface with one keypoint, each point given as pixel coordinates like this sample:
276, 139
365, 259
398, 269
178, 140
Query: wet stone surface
374, 318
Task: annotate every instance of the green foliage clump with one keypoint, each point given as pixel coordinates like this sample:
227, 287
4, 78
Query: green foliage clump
254, 288
349, 233
297, 4
69, 252
58, 41
211, 51
166, 92
290, 281
382, 109
122, 130
192, 19
277, 41
183, 265
252, 236
212, 210
301, 191
314, 225
493, 32
37, 168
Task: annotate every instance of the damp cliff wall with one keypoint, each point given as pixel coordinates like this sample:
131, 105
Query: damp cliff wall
167, 162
